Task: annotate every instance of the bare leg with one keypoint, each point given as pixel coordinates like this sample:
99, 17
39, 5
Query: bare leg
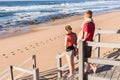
70, 60
90, 65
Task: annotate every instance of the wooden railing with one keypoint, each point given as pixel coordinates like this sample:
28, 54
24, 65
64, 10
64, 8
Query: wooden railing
60, 66
9, 71
34, 72
114, 62
96, 45
98, 33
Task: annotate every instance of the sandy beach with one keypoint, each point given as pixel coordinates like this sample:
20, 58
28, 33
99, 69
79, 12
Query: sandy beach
47, 41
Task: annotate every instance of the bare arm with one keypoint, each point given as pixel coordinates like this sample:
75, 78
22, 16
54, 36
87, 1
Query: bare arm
65, 42
84, 36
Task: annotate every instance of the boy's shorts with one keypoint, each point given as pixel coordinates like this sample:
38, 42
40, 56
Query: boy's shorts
87, 51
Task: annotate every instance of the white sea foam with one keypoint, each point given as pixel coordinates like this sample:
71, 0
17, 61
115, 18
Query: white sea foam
30, 15
59, 6
34, 12
21, 8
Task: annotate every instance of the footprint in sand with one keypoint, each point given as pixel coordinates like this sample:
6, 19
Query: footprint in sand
50, 39
33, 47
18, 49
46, 41
6, 56
26, 48
54, 38
21, 51
37, 44
40, 41
13, 53
3, 54
43, 43
58, 36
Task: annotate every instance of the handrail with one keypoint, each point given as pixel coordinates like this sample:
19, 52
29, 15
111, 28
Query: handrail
60, 55
2, 73
34, 72
23, 70
96, 45
102, 44
114, 62
101, 31
60, 66
27, 60
6, 72
95, 60
3, 76
66, 65
20, 74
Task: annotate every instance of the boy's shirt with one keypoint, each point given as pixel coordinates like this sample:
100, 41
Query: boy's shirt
89, 27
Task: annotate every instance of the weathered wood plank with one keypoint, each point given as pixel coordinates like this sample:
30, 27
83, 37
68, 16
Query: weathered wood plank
59, 65
36, 74
97, 51
103, 71
118, 78
81, 60
4, 74
95, 78
66, 65
116, 73
99, 69
23, 70
23, 63
107, 68
109, 61
11, 73
103, 44
34, 61
60, 55
110, 73
107, 31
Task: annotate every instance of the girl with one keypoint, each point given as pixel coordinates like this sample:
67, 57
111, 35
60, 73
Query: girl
70, 45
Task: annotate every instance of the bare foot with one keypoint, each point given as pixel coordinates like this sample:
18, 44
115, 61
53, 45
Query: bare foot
69, 76
94, 70
88, 69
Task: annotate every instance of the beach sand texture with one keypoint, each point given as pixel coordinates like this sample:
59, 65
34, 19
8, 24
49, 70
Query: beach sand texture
46, 42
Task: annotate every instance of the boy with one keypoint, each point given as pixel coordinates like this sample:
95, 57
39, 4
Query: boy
87, 29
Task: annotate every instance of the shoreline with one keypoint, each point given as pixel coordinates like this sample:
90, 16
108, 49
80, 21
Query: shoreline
36, 27
46, 42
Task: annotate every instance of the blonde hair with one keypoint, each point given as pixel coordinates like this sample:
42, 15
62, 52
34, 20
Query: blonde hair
88, 13
68, 27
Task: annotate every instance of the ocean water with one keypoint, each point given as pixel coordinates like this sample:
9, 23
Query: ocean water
17, 14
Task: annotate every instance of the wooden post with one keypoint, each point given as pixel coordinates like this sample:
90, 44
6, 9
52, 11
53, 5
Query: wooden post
81, 60
36, 74
59, 64
34, 61
98, 48
11, 73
